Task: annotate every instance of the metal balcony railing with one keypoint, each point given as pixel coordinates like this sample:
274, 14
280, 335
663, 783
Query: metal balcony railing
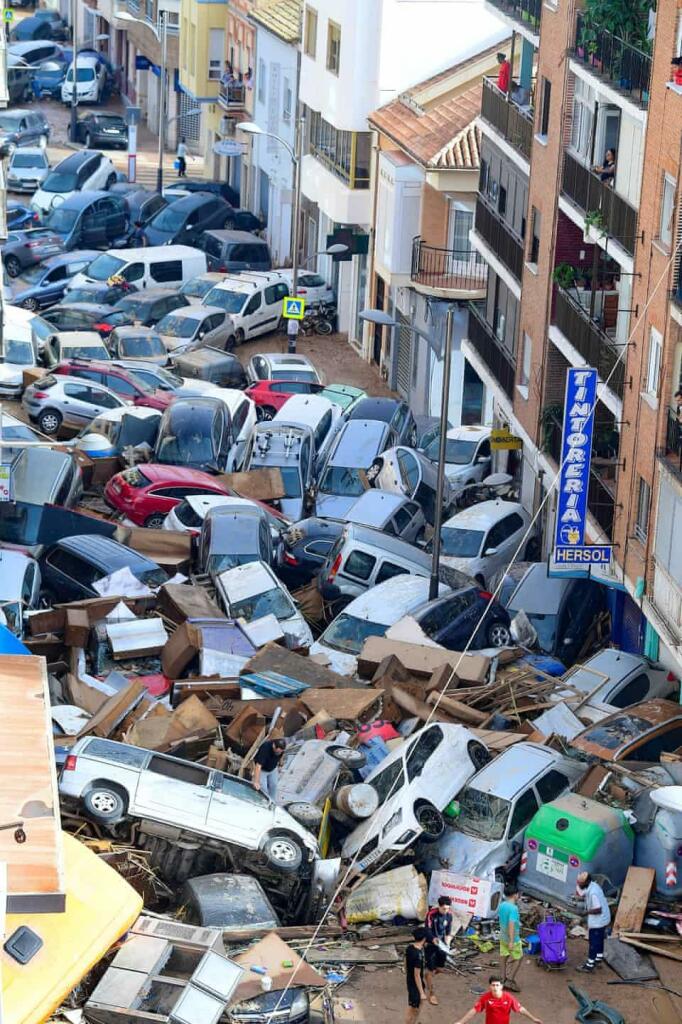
601, 494
673, 441
503, 242
527, 12
613, 59
512, 121
591, 340
592, 195
232, 95
498, 360
461, 270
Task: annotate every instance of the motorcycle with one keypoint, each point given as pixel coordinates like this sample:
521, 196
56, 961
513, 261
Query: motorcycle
497, 485
319, 319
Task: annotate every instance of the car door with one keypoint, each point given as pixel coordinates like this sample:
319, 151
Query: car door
525, 807
176, 792
464, 614
428, 767
237, 812
92, 228
253, 319
216, 330
482, 469
53, 285
79, 404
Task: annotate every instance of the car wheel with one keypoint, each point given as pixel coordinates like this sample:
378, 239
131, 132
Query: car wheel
431, 821
50, 421
230, 343
306, 814
479, 754
479, 579
88, 140
265, 412
498, 635
347, 756
283, 853
12, 266
239, 336
111, 180
31, 304
155, 522
104, 803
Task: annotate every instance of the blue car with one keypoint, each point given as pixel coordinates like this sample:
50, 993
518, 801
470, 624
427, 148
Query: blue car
465, 614
48, 78
20, 216
45, 283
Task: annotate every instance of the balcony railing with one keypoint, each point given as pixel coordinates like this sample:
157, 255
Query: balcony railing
512, 121
611, 58
493, 230
527, 12
448, 268
673, 441
591, 340
232, 94
498, 360
601, 494
592, 195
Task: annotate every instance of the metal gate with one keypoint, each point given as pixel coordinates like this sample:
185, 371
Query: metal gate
403, 355
190, 126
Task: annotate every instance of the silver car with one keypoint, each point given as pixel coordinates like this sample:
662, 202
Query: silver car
192, 327
19, 588
47, 476
58, 401
28, 168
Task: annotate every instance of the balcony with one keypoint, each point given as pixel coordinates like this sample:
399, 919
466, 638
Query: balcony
601, 495
672, 449
513, 122
444, 270
497, 359
504, 243
232, 96
525, 12
589, 338
592, 195
612, 60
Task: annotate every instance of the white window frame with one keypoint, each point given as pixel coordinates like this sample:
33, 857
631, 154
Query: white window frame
667, 213
583, 120
643, 510
216, 54
653, 366
526, 360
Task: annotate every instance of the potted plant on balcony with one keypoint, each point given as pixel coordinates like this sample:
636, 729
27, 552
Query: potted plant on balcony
550, 421
594, 221
564, 275
627, 21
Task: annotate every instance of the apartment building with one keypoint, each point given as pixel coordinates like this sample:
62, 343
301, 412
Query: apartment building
422, 259
575, 215
355, 58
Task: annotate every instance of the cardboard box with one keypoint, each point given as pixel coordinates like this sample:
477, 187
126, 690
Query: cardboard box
421, 660
181, 647
181, 601
169, 549
33, 374
76, 627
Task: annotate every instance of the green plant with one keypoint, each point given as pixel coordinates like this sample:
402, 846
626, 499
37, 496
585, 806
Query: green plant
595, 219
564, 275
550, 421
626, 19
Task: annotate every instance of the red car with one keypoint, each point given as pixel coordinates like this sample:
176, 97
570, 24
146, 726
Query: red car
270, 395
120, 380
147, 493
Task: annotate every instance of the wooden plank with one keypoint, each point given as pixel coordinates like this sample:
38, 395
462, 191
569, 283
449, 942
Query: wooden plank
295, 931
343, 705
668, 953
273, 658
633, 900
352, 955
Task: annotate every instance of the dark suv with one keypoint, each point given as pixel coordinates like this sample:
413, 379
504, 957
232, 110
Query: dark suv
23, 128
149, 306
71, 566
119, 380
185, 219
232, 251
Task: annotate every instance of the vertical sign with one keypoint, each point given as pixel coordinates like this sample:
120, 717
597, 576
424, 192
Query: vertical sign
574, 478
273, 106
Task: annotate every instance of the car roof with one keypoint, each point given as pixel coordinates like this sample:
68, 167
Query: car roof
281, 359
362, 437
158, 252
389, 601
158, 473
483, 515
75, 160
104, 549
92, 364
138, 412
84, 60
245, 580
227, 235
390, 545
513, 769
78, 200
81, 338
29, 151
69, 257
310, 408
194, 312
193, 199
187, 410
468, 433
374, 507
610, 662
375, 409
203, 503
148, 295
539, 592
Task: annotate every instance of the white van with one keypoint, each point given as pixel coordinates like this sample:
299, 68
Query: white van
253, 301
153, 266
322, 416
21, 350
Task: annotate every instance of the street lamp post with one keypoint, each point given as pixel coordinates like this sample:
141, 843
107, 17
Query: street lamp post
74, 72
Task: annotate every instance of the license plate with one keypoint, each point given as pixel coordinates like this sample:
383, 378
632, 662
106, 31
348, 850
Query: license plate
110, 131
549, 866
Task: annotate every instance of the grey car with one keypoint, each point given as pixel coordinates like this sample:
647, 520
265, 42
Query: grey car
60, 401
28, 168
47, 476
291, 450
23, 128
389, 410
402, 470
193, 327
143, 343
234, 534
25, 248
343, 478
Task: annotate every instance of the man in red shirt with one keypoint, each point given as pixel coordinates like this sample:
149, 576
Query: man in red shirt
498, 1005
503, 72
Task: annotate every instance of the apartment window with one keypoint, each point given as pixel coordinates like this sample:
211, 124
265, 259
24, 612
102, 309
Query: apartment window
333, 47
287, 100
665, 233
544, 106
216, 50
536, 226
654, 361
261, 81
643, 503
583, 119
525, 362
345, 154
310, 32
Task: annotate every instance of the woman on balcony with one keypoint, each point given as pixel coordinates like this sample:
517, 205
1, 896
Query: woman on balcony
607, 171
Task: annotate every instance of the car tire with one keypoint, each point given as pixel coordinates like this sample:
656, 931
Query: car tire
479, 579
239, 336
230, 343
104, 803
31, 304
88, 140
497, 634
306, 814
155, 521
347, 756
283, 853
430, 820
265, 412
49, 421
479, 755
111, 180
12, 266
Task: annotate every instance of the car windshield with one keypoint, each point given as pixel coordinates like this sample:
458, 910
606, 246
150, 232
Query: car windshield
177, 326
460, 543
544, 625
197, 289
304, 375
482, 814
62, 220
270, 602
169, 219
342, 480
60, 181
153, 577
28, 160
223, 298
347, 633
614, 733
12, 612
84, 351
18, 352
87, 295
162, 379
109, 122
223, 562
82, 75
185, 449
458, 453
105, 266
137, 346
131, 304
40, 328
9, 124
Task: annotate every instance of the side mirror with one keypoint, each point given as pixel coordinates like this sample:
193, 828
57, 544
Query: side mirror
490, 551
480, 460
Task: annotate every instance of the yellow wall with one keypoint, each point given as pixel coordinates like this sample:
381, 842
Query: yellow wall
196, 19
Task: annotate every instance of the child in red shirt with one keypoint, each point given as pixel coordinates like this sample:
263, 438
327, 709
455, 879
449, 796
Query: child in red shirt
498, 1005
503, 72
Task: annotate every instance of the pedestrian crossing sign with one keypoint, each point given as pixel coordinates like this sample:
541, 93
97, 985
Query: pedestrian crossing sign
293, 309
8, 14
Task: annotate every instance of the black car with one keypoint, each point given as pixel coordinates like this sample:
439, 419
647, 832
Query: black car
195, 432
457, 618
58, 27
244, 220
388, 410
148, 306
79, 317
90, 219
25, 248
218, 188
97, 294
71, 566
31, 29
304, 548
102, 130
142, 206
185, 219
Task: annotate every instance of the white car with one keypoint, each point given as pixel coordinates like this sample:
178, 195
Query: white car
21, 350
482, 539
281, 366
189, 514
371, 614
87, 170
312, 287
415, 784
90, 79
19, 588
111, 781
467, 454
252, 591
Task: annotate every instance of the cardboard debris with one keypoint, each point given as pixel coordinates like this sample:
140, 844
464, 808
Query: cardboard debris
181, 601
422, 661
344, 705
272, 953
161, 728
111, 713
170, 549
137, 637
191, 637
287, 663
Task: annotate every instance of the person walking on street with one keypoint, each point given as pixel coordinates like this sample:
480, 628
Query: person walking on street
265, 767
511, 947
438, 924
598, 919
181, 155
414, 974
138, 239
497, 1005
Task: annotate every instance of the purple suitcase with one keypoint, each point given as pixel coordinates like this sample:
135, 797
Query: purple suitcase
552, 935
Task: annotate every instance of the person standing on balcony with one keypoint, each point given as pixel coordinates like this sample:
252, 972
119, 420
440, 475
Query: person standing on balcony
503, 73
607, 171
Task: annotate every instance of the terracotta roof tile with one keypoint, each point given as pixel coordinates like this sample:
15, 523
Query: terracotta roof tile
283, 17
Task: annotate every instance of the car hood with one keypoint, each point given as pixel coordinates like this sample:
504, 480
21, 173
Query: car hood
333, 506
467, 855
157, 237
462, 564
340, 662
12, 373
298, 630
43, 200
292, 508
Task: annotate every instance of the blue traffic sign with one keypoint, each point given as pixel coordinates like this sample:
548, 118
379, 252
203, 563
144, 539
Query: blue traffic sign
583, 554
8, 14
293, 308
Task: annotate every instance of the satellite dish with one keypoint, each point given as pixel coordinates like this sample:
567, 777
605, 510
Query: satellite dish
668, 797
